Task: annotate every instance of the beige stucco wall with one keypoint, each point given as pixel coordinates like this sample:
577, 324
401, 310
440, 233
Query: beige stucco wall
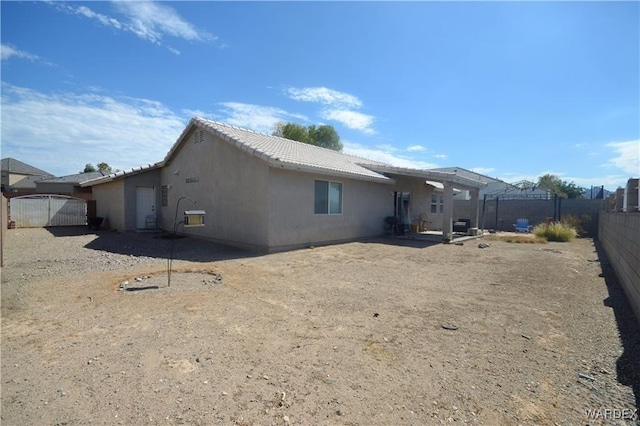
15, 178
116, 200
420, 200
293, 223
149, 179
231, 188
252, 205
110, 203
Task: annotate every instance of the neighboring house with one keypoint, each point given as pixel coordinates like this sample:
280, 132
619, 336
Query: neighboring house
498, 188
515, 191
19, 177
68, 185
268, 193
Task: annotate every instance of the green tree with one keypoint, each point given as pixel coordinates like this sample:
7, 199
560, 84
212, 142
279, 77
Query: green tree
104, 168
101, 167
562, 189
293, 131
324, 136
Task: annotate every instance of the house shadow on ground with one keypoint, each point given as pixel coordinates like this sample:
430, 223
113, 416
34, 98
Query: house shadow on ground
628, 365
154, 244
410, 240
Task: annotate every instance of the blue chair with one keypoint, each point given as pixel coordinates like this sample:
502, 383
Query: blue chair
522, 225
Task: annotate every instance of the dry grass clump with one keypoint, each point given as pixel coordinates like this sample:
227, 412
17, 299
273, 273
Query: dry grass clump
518, 239
556, 231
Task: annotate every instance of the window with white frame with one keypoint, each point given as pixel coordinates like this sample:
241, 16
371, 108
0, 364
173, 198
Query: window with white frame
437, 203
328, 197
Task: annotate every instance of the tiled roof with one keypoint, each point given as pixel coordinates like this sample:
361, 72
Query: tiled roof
467, 174
288, 154
284, 153
12, 165
120, 174
430, 174
76, 178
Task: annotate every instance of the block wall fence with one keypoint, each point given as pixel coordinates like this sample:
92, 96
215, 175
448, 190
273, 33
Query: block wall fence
536, 211
619, 235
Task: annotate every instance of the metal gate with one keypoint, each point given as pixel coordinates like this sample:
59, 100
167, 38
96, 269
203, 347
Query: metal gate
34, 211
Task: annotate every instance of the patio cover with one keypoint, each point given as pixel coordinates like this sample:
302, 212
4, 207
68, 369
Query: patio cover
450, 180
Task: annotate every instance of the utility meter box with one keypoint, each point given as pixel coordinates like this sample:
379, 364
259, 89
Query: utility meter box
194, 217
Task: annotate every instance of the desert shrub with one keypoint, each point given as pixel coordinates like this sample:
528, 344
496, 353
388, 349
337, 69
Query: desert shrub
576, 222
556, 231
519, 239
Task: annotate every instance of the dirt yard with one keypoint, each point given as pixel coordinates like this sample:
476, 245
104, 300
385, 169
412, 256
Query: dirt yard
382, 332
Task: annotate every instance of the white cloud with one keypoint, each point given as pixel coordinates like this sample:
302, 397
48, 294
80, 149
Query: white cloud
255, 117
352, 119
340, 106
146, 19
150, 20
324, 96
103, 19
62, 132
385, 156
628, 156
198, 113
416, 148
440, 156
610, 182
8, 51
386, 147
513, 177
483, 170
173, 50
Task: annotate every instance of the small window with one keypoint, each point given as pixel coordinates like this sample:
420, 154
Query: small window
328, 197
164, 202
437, 203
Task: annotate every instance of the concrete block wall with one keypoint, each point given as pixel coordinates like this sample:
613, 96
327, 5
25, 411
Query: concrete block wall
580, 207
4, 224
619, 234
537, 211
509, 211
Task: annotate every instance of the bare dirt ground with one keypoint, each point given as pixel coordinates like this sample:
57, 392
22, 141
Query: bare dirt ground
348, 334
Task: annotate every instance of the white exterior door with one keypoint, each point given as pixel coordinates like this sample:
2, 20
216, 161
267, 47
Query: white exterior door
145, 205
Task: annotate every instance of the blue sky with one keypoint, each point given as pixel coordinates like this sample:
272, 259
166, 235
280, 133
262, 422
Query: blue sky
513, 90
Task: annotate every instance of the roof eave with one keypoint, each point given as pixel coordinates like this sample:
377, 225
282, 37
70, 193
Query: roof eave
121, 174
444, 177
278, 164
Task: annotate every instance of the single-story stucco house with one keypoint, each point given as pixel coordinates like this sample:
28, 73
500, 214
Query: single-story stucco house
19, 177
68, 185
267, 193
